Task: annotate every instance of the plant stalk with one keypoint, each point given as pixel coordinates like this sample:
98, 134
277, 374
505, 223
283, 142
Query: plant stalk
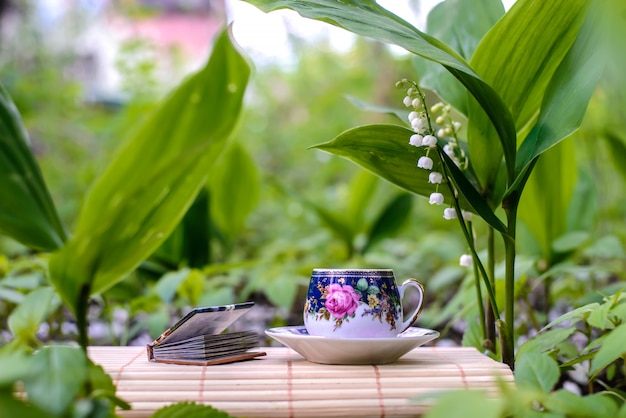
82, 323
508, 341
490, 319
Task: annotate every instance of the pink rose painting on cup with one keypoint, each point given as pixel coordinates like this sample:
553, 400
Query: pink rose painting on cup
341, 300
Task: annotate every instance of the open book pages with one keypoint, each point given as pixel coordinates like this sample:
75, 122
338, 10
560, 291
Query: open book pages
199, 338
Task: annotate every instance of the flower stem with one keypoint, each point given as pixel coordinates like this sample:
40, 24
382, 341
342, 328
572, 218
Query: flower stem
479, 293
490, 321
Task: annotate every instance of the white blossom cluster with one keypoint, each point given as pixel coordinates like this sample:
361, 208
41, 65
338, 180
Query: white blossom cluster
426, 136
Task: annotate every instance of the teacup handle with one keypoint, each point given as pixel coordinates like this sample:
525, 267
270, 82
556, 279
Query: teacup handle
418, 309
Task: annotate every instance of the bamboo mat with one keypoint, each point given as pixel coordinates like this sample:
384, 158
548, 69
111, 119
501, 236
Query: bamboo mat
284, 384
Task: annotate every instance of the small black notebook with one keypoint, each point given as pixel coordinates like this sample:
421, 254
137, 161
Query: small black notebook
199, 338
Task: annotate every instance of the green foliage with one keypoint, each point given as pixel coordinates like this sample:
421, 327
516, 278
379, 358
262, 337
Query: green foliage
234, 192
26, 319
146, 190
447, 22
59, 381
27, 212
189, 410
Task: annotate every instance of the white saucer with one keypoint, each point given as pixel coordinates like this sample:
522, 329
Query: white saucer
328, 350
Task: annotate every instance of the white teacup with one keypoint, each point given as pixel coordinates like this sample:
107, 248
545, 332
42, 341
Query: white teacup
358, 303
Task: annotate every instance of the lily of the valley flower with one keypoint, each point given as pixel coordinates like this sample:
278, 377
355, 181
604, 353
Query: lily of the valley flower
436, 199
429, 141
435, 177
417, 123
466, 215
416, 140
466, 260
425, 162
449, 213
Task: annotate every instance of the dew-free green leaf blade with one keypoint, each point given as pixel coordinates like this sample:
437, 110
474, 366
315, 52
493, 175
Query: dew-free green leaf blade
568, 92
234, 190
536, 371
518, 57
26, 319
147, 188
61, 372
390, 220
385, 151
27, 212
612, 349
546, 199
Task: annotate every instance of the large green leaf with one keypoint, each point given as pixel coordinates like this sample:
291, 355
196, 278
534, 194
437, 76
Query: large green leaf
367, 18
536, 371
518, 57
568, 404
390, 220
361, 191
545, 202
27, 212
26, 319
612, 349
385, 151
234, 190
569, 92
461, 24
61, 372
146, 190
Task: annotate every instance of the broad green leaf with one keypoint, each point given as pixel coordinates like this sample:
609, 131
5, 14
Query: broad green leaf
570, 241
570, 88
61, 373
518, 57
25, 320
583, 208
15, 365
367, 18
168, 285
612, 349
467, 404
599, 317
536, 371
460, 24
547, 195
390, 220
572, 405
154, 178
189, 410
11, 407
576, 315
385, 151
192, 287
361, 190
234, 190
545, 341
27, 212
103, 387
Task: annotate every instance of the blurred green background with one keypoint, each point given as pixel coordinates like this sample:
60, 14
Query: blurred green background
273, 209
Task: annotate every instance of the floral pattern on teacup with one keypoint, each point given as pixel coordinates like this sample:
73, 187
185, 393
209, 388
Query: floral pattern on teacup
339, 302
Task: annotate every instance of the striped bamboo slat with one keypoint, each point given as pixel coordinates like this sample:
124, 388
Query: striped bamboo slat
284, 384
